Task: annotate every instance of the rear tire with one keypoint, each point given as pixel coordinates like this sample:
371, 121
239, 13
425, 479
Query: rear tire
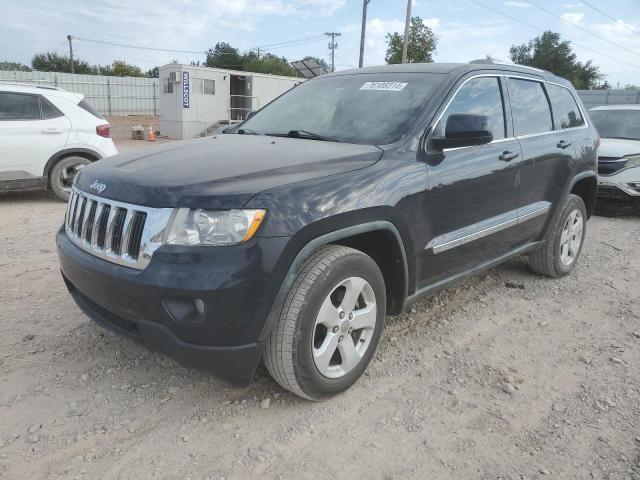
330, 324
563, 245
62, 174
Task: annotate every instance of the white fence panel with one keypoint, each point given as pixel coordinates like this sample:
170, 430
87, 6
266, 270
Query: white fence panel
119, 96
596, 98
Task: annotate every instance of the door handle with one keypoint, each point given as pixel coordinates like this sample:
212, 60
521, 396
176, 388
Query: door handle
562, 144
52, 130
507, 156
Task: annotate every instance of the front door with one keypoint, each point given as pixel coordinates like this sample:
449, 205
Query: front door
27, 137
473, 191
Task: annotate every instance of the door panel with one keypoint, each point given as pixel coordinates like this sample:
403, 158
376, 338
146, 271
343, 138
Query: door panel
471, 209
27, 140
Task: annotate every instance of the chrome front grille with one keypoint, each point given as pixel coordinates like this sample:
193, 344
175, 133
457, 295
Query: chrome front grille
118, 232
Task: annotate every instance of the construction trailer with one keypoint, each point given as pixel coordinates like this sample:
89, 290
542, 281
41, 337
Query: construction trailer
195, 101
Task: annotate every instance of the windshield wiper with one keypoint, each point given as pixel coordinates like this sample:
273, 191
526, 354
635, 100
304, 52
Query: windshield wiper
307, 135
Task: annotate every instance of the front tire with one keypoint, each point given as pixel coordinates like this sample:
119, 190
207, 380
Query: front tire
62, 174
560, 253
330, 325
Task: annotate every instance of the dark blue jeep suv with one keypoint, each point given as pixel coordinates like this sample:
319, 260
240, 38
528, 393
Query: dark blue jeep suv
289, 237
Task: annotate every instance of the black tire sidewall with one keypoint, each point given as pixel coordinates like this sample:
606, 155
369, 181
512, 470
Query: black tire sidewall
312, 382
574, 203
54, 175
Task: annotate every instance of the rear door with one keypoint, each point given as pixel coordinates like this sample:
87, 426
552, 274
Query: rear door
473, 190
548, 153
31, 131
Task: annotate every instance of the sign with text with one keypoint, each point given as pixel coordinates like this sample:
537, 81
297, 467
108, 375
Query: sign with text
185, 89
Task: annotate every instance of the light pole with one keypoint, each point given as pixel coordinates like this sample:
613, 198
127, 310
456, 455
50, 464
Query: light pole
364, 27
406, 32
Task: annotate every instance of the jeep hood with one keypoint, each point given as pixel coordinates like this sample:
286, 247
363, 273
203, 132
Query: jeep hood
618, 148
223, 171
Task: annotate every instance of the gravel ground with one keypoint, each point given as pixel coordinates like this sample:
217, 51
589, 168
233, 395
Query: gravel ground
505, 376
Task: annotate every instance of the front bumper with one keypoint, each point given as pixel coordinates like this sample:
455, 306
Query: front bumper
157, 307
626, 181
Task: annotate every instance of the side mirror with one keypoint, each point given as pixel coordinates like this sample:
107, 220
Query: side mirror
250, 114
464, 130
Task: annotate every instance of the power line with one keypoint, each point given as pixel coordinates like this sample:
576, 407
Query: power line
618, 22
542, 30
274, 46
125, 45
582, 28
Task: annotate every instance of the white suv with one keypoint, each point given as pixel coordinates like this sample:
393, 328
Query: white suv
46, 135
618, 159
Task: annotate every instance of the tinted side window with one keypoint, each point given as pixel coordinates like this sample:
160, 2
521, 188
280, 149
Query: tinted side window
529, 107
85, 106
48, 109
566, 113
479, 96
19, 106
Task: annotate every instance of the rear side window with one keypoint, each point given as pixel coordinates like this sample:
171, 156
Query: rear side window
566, 113
19, 106
529, 107
85, 106
478, 96
48, 109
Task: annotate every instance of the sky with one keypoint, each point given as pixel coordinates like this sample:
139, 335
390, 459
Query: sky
465, 29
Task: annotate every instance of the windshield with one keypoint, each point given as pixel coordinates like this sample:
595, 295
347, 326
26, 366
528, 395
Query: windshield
617, 123
374, 109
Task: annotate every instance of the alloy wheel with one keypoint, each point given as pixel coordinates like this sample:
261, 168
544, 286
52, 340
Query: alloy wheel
571, 238
344, 327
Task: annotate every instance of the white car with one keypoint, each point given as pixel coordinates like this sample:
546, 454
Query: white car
618, 159
46, 135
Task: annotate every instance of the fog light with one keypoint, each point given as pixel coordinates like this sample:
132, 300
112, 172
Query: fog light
199, 306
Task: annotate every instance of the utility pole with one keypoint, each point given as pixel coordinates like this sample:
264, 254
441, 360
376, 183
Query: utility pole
332, 46
406, 32
69, 37
364, 27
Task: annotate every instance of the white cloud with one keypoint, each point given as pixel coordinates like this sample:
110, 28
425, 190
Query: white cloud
573, 17
517, 4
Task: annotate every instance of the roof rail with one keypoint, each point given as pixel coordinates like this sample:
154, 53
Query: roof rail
488, 61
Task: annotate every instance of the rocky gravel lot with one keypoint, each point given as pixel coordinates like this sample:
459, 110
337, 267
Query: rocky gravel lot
505, 376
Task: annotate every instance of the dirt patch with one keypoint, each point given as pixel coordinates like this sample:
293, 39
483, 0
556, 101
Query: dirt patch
482, 381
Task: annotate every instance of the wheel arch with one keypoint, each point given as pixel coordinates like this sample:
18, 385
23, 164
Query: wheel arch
585, 186
372, 238
87, 153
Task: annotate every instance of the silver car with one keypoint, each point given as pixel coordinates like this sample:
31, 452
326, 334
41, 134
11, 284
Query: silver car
618, 159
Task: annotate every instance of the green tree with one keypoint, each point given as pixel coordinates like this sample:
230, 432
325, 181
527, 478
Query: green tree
267, 63
421, 47
153, 72
52, 62
120, 68
629, 86
549, 52
14, 66
224, 55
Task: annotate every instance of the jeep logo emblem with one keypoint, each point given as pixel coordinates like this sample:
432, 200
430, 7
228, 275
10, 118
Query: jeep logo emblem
97, 186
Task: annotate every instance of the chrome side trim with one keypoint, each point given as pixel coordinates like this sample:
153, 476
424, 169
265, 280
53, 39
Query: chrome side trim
488, 227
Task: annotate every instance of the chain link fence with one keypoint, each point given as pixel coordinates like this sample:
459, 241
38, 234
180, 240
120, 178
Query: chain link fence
113, 96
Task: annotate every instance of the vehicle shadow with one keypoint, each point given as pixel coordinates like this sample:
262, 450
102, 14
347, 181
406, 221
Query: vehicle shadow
29, 196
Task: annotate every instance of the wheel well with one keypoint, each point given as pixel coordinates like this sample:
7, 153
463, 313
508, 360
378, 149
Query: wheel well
88, 154
586, 188
382, 246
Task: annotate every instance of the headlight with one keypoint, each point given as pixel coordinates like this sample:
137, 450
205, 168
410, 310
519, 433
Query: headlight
632, 161
213, 227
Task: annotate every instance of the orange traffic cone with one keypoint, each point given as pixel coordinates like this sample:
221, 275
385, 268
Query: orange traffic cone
151, 137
